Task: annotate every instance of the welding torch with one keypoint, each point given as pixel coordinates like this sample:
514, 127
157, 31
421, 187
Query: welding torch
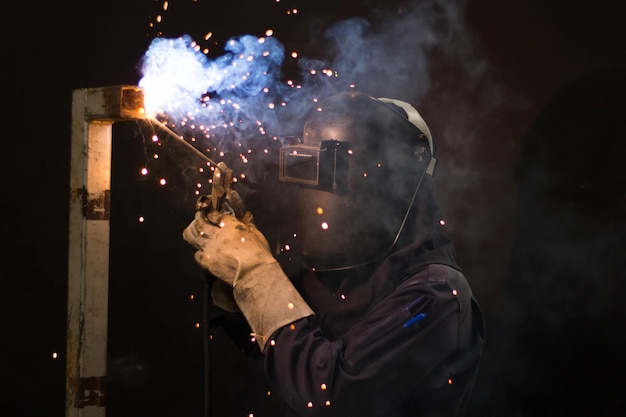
223, 199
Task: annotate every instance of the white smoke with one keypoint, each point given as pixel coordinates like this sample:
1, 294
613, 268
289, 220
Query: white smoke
386, 54
181, 82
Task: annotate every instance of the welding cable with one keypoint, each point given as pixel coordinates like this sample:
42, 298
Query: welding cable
207, 307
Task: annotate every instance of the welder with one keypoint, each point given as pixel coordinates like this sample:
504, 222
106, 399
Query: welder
381, 321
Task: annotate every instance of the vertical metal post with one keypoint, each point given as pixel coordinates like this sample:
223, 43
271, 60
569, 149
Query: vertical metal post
93, 113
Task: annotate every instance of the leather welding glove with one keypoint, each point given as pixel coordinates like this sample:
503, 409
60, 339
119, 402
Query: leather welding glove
222, 296
237, 253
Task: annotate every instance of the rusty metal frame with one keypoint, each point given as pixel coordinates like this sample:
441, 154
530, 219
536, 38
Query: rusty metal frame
94, 110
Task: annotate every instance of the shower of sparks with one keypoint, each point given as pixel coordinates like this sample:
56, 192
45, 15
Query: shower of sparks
237, 93
225, 108
182, 83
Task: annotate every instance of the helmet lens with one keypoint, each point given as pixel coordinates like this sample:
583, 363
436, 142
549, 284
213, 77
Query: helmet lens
325, 167
299, 164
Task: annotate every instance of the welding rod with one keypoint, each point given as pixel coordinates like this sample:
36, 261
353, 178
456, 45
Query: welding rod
184, 142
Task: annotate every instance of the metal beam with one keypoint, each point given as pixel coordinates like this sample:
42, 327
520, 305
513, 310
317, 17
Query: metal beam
94, 111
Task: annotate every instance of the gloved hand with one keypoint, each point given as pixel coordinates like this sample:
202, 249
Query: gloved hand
237, 253
227, 247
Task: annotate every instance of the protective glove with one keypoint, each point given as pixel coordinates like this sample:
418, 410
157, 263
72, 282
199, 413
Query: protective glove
222, 296
237, 253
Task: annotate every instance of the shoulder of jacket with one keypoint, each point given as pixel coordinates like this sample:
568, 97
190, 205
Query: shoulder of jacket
433, 272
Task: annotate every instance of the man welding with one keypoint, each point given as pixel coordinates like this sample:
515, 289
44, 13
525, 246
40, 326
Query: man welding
381, 321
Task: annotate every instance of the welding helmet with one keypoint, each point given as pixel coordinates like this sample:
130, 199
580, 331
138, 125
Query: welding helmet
359, 165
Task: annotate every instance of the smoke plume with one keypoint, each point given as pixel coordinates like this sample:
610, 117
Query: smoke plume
384, 54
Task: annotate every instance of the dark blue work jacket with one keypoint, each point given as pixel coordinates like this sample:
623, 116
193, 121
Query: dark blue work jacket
411, 348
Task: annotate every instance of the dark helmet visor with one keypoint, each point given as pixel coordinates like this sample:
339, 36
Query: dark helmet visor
325, 167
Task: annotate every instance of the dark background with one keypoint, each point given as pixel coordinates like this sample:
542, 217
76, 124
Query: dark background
511, 196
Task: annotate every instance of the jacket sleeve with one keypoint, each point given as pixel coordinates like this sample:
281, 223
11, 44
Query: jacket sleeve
397, 347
